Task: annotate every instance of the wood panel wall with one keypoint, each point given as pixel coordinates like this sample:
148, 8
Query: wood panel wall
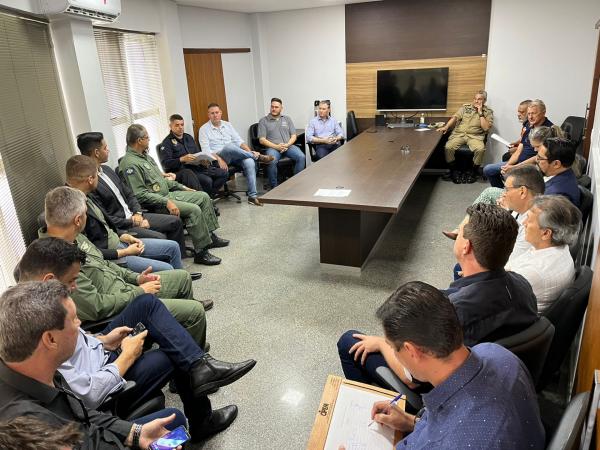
466, 75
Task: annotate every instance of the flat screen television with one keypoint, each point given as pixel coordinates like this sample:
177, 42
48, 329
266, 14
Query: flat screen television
412, 89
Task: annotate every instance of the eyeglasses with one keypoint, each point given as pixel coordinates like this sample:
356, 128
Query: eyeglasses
539, 158
506, 188
145, 137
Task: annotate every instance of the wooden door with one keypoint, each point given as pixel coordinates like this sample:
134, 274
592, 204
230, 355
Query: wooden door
205, 84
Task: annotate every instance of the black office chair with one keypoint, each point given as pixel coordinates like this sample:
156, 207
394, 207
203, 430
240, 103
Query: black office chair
285, 166
566, 314
464, 157
568, 433
351, 126
120, 403
312, 149
586, 202
531, 346
574, 128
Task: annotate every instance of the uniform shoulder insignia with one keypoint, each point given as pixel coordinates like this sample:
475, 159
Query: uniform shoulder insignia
84, 247
162, 147
129, 171
174, 141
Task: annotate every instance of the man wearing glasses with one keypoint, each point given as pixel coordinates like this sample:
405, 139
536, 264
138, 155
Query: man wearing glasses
555, 158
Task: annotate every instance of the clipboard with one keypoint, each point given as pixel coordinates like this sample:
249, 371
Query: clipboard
324, 416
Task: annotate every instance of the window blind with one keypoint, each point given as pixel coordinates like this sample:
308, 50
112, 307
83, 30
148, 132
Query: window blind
33, 131
132, 82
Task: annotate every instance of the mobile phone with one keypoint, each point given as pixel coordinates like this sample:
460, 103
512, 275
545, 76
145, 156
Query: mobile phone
171, 440
137, 329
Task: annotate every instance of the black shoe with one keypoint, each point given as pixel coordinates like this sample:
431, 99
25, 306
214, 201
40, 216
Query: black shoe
220, 419
189, 252
195, 275
172, 387
207, 304
457, 177
470, 178
217, 242
206, 347
217, 212
204, 257
209, 373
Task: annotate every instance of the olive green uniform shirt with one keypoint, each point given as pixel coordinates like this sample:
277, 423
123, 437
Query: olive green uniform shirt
469, 123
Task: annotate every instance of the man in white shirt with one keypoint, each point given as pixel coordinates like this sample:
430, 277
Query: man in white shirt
552, 224
219, 138
324, 131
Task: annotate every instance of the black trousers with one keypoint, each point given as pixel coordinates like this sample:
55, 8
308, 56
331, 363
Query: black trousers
211, 178
163, 226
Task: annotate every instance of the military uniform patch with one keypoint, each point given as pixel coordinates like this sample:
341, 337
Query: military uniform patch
129, 171
84, 247
174, 141
156, 187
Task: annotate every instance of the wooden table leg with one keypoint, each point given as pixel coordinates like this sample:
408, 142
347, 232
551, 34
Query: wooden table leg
348, 236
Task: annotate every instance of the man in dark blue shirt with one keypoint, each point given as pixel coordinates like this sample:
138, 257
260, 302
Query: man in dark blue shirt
555, 158
482, 397
490, 302
525, 153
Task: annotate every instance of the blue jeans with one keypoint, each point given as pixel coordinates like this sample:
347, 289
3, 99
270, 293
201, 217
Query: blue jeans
176, 354
322, 150
354, 370
178, 421
233, 154
493, 174
161, 254
293, 153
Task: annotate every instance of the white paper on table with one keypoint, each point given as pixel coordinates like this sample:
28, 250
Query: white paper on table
351, 422
332, 193
495, 137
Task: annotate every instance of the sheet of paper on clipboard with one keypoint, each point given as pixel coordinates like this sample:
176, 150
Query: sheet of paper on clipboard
351, 424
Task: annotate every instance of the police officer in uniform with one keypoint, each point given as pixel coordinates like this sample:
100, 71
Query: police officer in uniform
472, 120
153, 190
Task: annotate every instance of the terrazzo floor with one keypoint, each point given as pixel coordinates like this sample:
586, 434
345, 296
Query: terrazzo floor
274, 304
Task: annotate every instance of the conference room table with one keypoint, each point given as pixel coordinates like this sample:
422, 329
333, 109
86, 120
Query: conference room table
379, 167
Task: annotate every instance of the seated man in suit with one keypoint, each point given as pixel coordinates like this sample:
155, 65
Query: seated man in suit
40, 329
278, 134
473, 121
177, 152
82, 174
153, 191
482, 397
324, 131
96, 369
555, 158
490, 302
219, 139
525, 152
552, 224
118, 202
105, 289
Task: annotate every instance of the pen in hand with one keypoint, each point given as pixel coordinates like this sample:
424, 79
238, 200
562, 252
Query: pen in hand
393, 403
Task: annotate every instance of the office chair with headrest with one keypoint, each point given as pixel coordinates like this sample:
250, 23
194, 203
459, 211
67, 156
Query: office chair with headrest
566, 314
586, 202
351, 126
574, 128
531, 346
568, 433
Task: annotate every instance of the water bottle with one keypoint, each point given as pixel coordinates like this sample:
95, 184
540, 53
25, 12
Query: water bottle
422, 120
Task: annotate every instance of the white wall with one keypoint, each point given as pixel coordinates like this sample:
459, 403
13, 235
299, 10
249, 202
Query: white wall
539, 49
303, 53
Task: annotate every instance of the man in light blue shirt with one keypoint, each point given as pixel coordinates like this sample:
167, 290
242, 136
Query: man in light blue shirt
324, 131
219, 138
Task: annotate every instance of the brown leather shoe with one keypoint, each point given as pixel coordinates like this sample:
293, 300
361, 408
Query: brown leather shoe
254, 201
265, 159
450, 234
207, 304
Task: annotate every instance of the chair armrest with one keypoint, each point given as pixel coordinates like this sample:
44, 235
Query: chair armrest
388, 379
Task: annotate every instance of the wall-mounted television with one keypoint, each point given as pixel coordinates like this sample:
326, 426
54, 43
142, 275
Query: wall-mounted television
412, 89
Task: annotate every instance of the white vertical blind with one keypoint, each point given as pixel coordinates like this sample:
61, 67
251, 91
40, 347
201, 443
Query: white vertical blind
33, 131
132, 82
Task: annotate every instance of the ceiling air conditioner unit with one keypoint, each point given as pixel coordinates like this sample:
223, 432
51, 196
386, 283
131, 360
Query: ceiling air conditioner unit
103, 10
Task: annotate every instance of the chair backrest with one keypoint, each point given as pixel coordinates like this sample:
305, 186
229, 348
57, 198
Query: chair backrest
586, 202
254, 141
568, 432
531, 346
566, 314
158, 146
351, 125
574, 127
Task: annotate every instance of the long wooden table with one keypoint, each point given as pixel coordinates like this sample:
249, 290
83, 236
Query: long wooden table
380, 175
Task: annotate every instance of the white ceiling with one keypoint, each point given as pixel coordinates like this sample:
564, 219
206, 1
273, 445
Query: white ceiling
253, 6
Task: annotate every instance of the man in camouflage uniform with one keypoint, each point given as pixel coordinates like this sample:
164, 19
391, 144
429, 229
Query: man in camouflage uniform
161, 193
473, 121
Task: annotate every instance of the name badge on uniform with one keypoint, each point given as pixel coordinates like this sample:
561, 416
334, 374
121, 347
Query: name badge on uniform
174, 141
156, 187
129, 171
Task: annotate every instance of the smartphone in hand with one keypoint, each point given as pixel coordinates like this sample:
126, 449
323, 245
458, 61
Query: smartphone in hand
139, 328
171, 440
